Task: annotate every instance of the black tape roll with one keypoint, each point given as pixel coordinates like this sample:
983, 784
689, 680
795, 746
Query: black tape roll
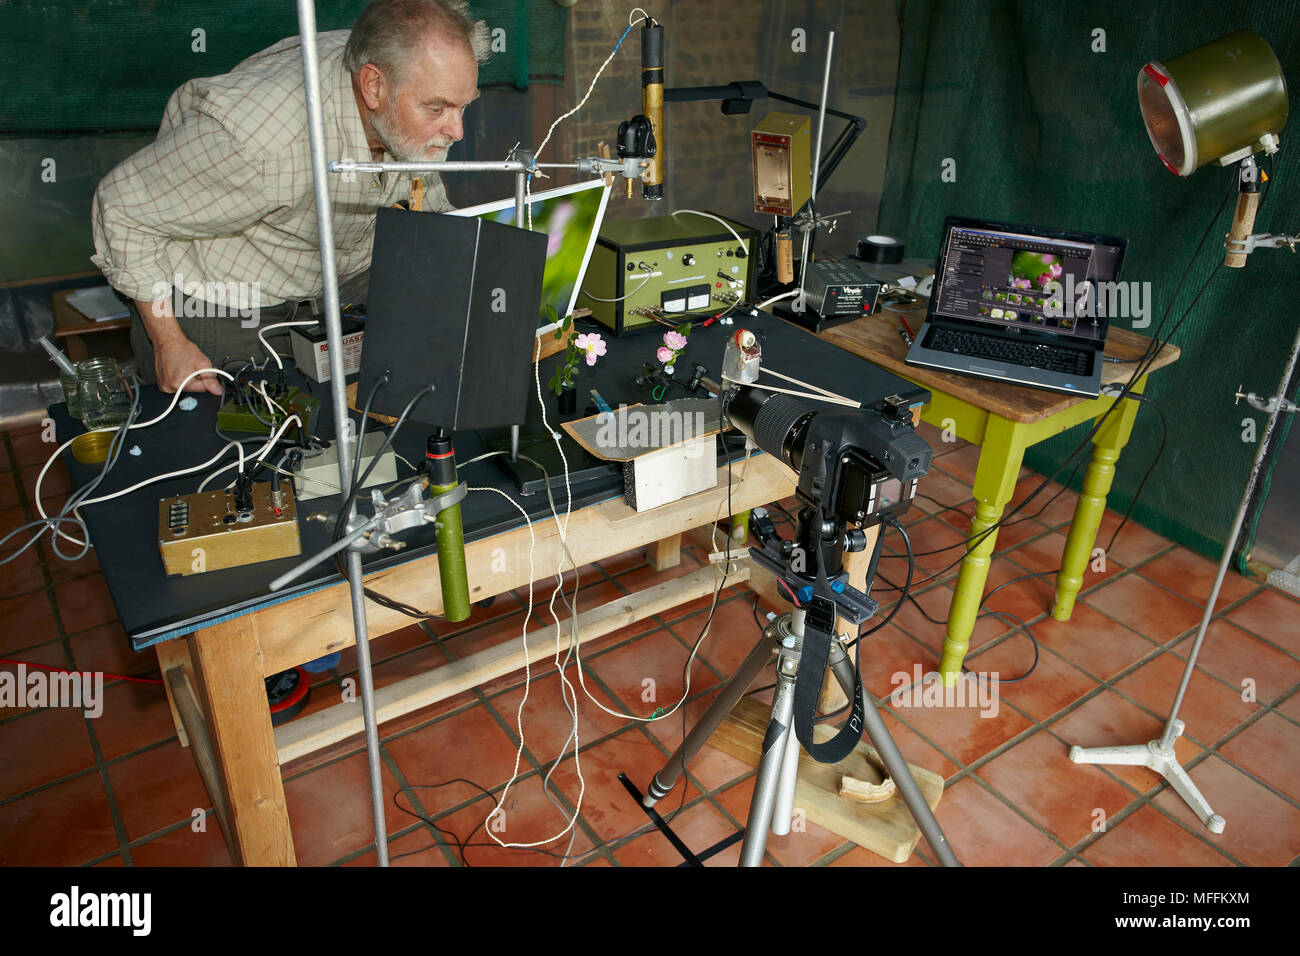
880, 249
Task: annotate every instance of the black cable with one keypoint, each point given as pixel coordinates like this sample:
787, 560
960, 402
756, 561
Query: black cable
358, 482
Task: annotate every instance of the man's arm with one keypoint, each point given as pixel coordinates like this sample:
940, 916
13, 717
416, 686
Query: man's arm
174, 355
193, 182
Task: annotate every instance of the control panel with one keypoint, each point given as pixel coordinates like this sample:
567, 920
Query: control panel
669, 268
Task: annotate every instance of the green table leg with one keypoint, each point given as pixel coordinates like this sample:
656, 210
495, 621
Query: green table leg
1091, 508
1001, 455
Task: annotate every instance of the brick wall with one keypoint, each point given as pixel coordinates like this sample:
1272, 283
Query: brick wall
710, 44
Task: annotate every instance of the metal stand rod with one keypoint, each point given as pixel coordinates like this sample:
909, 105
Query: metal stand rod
1159, 755
338, 385
817, 158
731, 692
763, 801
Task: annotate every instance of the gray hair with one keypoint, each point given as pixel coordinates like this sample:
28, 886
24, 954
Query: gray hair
388, 33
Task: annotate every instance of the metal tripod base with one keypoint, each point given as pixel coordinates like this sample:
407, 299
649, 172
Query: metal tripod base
772, 801
1154, 756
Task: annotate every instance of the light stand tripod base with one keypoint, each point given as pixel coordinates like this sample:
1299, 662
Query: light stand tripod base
1164, 762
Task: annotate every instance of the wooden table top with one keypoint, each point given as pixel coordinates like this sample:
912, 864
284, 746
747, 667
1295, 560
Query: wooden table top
876, 339
68, 321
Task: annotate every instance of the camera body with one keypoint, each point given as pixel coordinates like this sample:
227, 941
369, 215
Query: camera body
856, 465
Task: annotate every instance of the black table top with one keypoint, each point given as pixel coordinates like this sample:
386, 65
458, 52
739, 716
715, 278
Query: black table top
154, 607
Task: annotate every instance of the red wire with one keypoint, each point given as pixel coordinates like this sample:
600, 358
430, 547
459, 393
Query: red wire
63, 670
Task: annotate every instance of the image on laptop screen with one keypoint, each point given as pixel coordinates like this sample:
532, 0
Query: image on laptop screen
1021, 280
570, 216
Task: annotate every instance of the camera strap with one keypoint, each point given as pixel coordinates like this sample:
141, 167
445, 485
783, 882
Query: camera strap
818, 632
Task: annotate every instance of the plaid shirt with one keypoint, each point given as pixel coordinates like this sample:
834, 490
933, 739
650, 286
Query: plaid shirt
224, 194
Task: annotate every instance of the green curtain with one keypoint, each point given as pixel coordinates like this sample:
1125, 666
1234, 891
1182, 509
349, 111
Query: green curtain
81, 65
1035, 112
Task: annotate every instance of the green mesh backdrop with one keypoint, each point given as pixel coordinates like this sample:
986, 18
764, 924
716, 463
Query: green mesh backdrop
1044, 130
111, 64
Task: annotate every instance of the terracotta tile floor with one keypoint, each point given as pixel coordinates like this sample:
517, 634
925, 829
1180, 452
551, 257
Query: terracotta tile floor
119, 789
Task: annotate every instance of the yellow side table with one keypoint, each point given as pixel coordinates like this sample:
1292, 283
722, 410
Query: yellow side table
1004, 420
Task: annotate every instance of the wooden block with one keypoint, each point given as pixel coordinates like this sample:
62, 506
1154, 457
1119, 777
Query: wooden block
886, 828
664, 554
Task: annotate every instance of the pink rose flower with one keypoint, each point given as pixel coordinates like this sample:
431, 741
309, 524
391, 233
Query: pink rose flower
1055, 270
592, 344
1020, 283
675, 340
665, 354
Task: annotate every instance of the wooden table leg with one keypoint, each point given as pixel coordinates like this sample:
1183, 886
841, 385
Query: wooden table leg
1001, 455
1091, 507
231, 687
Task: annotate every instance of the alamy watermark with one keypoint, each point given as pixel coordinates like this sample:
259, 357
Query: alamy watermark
648, 428
919, 689
212, 300
1090, 299
42, 688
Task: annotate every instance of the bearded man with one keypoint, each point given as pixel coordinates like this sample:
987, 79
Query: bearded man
211, 229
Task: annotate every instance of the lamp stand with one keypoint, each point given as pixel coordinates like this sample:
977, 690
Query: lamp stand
1158, 755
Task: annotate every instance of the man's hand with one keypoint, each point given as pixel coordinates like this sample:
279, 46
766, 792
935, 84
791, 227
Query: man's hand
174, 355
175, 358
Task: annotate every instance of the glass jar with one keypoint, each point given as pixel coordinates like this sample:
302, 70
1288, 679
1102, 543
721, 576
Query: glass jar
69, 383
102, 393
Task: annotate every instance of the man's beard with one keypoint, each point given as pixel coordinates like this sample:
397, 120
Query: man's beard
404, 149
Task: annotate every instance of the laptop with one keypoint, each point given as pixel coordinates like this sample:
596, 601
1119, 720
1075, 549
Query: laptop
1021, 304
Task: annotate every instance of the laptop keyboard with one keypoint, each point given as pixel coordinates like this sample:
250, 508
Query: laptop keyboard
1051, 358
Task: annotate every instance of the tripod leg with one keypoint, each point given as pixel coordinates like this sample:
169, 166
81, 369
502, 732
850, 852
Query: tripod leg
879, 736
770, 769
731, 692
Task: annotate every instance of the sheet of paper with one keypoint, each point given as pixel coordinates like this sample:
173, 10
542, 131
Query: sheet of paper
98, 304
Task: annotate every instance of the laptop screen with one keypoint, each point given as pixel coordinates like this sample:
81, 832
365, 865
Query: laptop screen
1027, 278
571, 217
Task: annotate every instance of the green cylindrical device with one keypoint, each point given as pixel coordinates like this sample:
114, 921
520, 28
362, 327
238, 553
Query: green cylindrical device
440, 466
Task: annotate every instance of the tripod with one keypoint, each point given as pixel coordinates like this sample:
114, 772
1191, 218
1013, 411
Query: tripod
773, 799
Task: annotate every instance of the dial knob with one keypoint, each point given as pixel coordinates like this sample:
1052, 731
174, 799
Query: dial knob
688, 260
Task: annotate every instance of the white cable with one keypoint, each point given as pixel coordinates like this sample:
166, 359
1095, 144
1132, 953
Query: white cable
622, 297
36, 492
709, 215
272, 405
149, 481
849, 403
776, 298
644, 16
528, 192
519, 714
278, 325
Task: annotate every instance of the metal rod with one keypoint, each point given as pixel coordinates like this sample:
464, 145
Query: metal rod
521, 222
338, 385
1255, 470
450, 166
812, 207
892, 758
302, 568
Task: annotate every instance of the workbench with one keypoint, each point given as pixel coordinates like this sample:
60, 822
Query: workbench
218, 635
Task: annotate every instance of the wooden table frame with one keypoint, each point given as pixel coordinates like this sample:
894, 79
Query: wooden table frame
214, 677
1004, 420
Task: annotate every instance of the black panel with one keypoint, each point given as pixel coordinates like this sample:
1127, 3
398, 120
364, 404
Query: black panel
453, 302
